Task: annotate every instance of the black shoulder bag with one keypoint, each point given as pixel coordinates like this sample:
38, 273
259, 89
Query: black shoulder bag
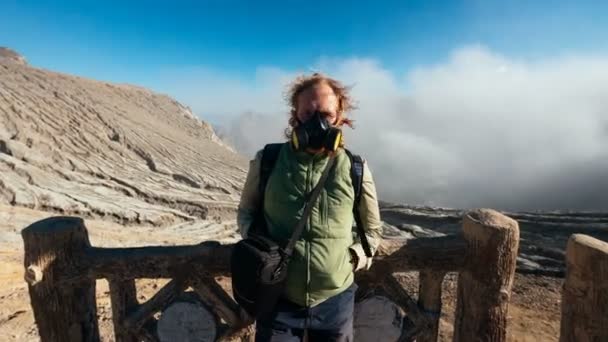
259, 265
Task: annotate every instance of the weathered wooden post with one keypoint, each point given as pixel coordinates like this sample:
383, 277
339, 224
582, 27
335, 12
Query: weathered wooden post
484, 284
64, 310
123, 295
585, 291
429, 300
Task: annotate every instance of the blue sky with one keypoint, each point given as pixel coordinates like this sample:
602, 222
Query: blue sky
132, 41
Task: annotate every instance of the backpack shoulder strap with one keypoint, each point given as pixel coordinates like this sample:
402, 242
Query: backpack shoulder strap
356, 174
270, 154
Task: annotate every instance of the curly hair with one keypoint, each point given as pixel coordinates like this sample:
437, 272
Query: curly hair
304, 82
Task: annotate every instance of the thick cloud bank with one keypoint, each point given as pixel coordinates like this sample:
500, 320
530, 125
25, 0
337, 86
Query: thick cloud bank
479, 130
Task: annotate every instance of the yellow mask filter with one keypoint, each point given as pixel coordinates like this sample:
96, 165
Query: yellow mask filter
295, 141
337, 141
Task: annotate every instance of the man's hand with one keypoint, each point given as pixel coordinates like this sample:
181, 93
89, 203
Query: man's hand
354, 259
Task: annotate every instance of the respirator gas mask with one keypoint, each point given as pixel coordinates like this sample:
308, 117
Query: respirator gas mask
316, 134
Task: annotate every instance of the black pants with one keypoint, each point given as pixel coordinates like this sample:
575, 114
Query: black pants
330, 321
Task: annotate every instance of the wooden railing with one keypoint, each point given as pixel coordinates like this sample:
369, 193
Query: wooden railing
585, 292
62, 266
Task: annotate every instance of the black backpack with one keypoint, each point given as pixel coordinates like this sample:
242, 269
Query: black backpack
270, 155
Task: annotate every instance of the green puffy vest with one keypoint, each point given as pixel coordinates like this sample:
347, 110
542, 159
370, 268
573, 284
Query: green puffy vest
320, 266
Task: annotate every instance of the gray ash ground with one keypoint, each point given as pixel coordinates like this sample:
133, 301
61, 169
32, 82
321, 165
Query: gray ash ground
543, 235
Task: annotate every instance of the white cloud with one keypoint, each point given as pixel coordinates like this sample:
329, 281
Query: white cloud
479, 130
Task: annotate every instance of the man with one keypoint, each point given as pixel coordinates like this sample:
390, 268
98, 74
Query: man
319, 295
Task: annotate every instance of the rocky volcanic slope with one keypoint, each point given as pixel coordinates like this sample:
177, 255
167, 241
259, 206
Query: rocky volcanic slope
11, 56
81, 147
543, 235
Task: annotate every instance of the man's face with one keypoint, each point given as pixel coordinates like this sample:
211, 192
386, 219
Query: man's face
318, 98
